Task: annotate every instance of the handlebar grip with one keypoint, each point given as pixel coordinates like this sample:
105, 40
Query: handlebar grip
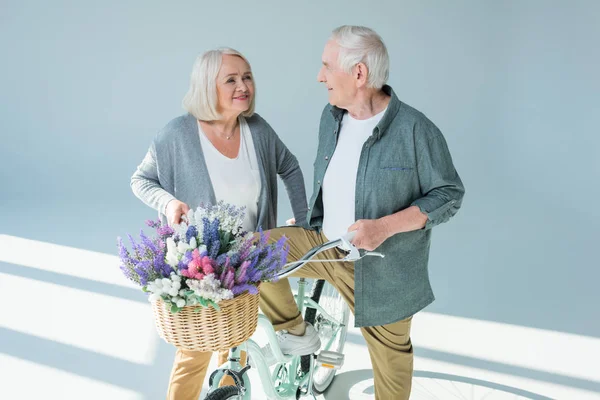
349, 236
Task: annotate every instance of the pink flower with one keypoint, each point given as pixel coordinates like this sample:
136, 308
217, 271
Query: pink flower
194, 267
192, 274
207, 266
199, 266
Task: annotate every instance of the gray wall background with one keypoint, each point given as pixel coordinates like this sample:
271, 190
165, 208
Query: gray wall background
513, 85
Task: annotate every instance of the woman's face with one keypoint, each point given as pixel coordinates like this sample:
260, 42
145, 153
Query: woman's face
235, 86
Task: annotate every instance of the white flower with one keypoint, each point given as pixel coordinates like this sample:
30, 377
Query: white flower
182, 292
172, 257
166, 283
180, 229
210, 289
176, 285
153, 297
182, 247
175, 277
171, 245
193, 243
180, 303
173, 292
157, 283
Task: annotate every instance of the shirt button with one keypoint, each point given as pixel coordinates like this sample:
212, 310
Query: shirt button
308, 208
318, 182
326, 157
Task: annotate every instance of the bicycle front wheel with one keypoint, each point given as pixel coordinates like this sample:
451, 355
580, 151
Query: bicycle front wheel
332, 330
225, 393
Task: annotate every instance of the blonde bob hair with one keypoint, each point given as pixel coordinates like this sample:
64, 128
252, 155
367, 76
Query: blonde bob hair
201, 99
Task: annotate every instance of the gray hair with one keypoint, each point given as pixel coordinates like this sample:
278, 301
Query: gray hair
201, 99
359, 44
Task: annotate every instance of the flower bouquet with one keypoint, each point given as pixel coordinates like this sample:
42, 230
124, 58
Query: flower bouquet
203, 275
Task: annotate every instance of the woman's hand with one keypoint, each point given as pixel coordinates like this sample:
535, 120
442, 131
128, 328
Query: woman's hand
175, 209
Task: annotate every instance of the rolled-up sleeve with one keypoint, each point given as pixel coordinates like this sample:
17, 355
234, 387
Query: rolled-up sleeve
441, 187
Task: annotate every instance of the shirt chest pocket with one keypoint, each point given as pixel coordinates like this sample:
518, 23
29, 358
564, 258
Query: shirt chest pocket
394, 183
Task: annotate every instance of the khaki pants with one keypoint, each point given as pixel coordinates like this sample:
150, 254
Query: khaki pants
389, 345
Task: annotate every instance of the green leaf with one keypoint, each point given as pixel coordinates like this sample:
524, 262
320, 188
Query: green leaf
215, 305
174, 308
202, 301
145, 289
197, 309
189, 292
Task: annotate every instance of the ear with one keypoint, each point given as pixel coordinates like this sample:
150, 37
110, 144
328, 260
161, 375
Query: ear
361, 74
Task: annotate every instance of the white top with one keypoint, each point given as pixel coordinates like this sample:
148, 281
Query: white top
339, 183
235, 180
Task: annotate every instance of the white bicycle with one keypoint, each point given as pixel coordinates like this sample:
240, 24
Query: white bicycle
289, 377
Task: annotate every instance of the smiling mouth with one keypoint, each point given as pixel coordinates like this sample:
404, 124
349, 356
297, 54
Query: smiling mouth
245, 97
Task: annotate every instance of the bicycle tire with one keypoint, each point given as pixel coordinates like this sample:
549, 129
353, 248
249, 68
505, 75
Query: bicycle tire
311, 316
224, 393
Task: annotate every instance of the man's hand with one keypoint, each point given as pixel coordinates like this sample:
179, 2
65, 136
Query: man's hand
175, 209
370, 233
291, 221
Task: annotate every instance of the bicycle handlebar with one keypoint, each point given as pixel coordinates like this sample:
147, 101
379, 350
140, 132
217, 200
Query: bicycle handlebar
344, 242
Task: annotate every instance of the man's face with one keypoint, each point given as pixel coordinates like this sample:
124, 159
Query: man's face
341, 86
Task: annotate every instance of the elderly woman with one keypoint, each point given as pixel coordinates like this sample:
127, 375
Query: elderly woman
219, 150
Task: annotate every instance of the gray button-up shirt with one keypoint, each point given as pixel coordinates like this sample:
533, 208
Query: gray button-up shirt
404, 162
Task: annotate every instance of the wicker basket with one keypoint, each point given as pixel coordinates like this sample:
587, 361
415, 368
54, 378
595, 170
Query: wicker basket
208, 329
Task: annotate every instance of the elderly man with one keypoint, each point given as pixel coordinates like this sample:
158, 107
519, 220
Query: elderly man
383, 170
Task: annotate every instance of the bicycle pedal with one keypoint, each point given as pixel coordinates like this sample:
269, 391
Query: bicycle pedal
330, 359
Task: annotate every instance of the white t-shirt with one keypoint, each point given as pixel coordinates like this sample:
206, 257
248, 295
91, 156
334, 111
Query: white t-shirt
339, 183
235, 180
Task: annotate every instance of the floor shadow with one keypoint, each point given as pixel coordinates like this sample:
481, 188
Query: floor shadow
495, 366
358, 384
479, 382
118, 372
73, 282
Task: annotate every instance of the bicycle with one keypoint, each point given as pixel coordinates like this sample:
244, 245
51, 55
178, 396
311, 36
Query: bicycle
295, 376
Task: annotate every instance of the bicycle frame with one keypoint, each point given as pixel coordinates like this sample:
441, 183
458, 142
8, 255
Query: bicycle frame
289, 386
286, 389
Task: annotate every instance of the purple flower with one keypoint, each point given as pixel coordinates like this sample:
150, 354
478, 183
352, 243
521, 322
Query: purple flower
256, 276
136, 248
142, 270
222, 259
192, 232
165, 231
129, 273
153, 223
123, 252
147, 245
185, 260
241, 275
210, 236
228, 282
239, 289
